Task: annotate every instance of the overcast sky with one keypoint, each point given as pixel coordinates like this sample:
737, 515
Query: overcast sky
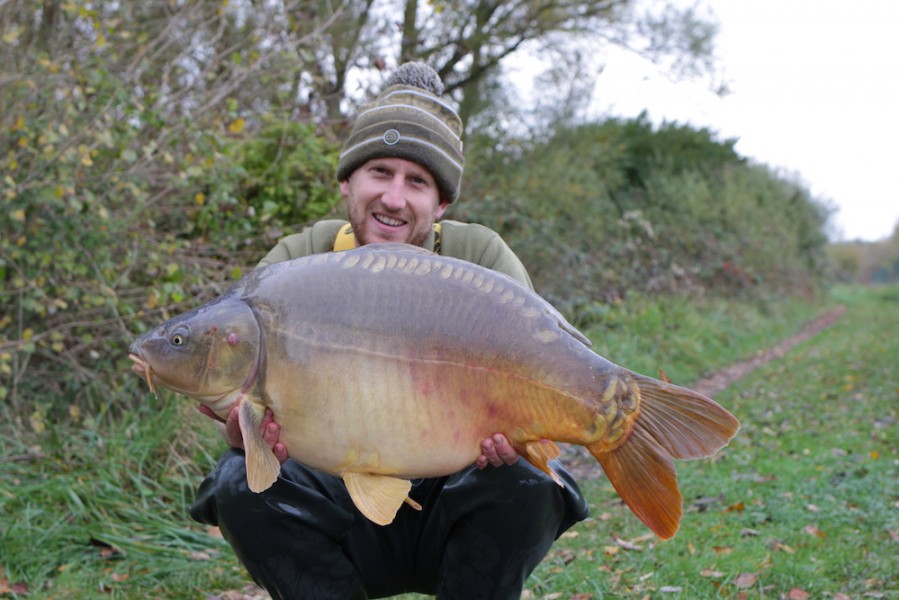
814, 90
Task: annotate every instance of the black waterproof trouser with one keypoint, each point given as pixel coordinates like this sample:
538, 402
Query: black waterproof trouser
479, 534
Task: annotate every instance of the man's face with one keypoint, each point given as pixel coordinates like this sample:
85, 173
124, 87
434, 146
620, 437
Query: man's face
392, 200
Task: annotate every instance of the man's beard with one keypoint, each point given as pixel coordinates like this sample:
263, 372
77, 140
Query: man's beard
359, 224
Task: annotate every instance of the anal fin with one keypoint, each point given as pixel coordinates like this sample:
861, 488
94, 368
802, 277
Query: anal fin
539, 453
262, 464
379, 497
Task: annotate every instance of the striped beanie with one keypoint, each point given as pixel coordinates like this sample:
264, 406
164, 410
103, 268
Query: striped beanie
409, 120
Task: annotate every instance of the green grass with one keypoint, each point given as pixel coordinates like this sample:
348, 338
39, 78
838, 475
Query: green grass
101, 511
806, 497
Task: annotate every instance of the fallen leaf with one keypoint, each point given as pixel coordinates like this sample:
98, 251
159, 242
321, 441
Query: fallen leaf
214, 532
628, 545
711, 573
840, 596
798, 594
671, 589
738, 507
702, 504
776, 545
894, 534
107, 550
746, 580
812, 530
722, 550
812, 508
582, 597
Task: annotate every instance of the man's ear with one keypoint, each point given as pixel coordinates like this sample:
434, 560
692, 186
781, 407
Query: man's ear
441, 208
344, 187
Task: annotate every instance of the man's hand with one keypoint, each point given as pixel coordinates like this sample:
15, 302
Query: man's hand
497, 451
231, 431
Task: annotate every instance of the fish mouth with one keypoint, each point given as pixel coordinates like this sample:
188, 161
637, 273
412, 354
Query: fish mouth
143, 368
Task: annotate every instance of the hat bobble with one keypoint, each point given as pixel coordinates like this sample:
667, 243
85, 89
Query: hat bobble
409, 120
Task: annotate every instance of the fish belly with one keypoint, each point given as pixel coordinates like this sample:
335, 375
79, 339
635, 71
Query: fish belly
354, 411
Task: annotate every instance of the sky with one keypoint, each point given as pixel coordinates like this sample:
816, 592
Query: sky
814, 91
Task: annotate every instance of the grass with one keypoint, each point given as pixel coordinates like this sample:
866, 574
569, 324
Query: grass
804, 501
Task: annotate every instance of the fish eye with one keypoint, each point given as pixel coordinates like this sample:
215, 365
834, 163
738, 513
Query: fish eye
179, 337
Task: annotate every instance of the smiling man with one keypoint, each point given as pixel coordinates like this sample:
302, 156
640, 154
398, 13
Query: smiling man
481, 531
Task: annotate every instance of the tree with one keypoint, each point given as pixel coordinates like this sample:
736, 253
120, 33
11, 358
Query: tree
466, 42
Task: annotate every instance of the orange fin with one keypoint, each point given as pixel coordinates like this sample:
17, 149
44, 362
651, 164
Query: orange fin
645, 479
539, 453
685, 423
673, 422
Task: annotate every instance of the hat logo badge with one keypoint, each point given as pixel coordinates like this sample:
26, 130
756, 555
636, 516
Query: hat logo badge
391, 137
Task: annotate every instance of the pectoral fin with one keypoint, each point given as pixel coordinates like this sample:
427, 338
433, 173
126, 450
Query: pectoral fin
539, 453
262, 465
378, 497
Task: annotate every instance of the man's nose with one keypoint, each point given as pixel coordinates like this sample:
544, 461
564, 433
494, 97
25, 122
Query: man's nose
394, 198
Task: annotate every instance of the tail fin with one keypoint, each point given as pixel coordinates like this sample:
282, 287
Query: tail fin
674, 422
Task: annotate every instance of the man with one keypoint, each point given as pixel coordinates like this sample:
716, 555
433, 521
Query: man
481, 531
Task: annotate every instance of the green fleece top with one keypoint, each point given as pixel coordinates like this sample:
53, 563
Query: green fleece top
467, 241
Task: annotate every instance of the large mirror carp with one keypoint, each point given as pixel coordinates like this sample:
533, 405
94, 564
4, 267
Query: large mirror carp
388, 363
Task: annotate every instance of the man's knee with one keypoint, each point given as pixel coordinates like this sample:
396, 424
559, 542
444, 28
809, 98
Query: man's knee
300, 495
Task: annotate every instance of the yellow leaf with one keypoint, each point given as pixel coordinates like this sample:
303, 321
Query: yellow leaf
18, 215
237, 125
37, 422
200, 198
12, 35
